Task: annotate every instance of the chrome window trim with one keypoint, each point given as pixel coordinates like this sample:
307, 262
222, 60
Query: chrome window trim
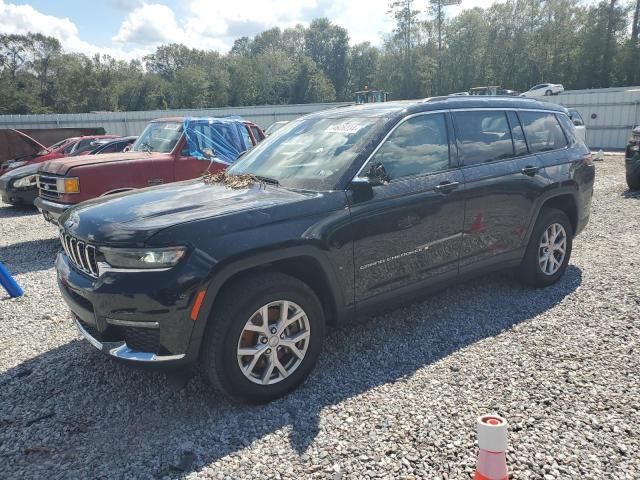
452, 111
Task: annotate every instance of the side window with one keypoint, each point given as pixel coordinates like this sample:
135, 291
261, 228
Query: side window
257, 134
69, 148
519, 143
543, 131
246, 137
568, 127
484, 136
419, 145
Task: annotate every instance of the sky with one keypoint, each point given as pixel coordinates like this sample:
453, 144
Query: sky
132, 28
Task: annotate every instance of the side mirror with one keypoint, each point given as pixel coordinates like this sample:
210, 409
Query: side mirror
377, 174
577, 122
208, 153
362, 189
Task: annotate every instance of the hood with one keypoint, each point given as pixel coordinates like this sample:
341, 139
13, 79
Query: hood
132, 217
14, 145
62, 166
20, 172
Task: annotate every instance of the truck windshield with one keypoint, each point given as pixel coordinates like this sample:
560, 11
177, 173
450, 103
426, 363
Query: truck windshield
159, 137
311, 153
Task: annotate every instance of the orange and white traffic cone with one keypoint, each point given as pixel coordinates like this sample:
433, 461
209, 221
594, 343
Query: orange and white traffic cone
492, 440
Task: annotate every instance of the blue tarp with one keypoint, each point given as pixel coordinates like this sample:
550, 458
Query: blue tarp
228, 137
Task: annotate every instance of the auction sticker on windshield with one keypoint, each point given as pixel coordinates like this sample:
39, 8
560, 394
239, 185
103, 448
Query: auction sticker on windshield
345, 127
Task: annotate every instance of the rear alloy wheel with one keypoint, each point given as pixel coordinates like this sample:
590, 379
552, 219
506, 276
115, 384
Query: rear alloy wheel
552, 249
549, 249
263, 338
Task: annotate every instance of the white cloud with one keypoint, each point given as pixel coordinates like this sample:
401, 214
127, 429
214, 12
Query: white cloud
24, 18
149, 24
208, 24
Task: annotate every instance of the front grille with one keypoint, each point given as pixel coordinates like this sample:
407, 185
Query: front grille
82, 255
142, 339
48, 186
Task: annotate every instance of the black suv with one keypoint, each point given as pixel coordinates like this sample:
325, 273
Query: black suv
334, 214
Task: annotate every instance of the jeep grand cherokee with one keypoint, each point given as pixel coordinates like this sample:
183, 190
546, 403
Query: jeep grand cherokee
333, 215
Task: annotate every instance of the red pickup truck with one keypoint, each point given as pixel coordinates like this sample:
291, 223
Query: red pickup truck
168, 150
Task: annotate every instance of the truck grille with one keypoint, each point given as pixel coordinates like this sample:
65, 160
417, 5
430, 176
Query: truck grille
82, 255
48, 186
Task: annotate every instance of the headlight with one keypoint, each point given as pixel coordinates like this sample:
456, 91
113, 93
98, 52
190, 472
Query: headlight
68, 185
25, 182
143, 258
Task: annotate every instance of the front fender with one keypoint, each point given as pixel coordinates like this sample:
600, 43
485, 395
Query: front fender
224, 271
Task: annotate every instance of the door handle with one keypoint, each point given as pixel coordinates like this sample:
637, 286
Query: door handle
446, 187
530, 170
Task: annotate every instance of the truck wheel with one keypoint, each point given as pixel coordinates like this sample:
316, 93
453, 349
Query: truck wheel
549, 249
263, 338
633, 181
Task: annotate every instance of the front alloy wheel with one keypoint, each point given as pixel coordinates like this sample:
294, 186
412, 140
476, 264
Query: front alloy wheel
274, 342
263, 337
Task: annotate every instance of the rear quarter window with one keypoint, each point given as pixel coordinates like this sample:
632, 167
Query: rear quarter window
568, 127
543, 131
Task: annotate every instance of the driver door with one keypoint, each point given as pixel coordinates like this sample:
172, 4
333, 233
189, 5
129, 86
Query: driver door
411, 230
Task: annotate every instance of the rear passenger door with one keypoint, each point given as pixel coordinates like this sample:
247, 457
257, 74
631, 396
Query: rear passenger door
412, 227
502, 184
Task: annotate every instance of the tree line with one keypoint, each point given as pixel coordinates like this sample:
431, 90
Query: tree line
515, 44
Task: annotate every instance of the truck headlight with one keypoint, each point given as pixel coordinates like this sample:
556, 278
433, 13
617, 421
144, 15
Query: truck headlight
25, 182
143, 258
68, 185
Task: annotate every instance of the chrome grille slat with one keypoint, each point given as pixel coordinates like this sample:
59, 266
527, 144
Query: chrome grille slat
81, 254
48, 186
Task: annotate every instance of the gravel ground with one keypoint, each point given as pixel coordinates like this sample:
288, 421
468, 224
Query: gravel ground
395, 397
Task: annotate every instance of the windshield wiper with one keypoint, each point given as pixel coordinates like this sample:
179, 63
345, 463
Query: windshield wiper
270, 180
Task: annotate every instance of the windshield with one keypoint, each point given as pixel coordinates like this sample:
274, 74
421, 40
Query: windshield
54, 146
159, 137
310, 154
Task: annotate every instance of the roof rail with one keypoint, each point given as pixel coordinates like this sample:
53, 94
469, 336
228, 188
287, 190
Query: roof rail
433, 99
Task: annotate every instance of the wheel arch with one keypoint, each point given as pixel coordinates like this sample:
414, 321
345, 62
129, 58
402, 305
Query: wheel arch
306, 263
565, 202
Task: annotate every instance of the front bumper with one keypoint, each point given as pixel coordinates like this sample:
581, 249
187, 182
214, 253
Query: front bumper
51, 211
122, 351
139, 317
17, 196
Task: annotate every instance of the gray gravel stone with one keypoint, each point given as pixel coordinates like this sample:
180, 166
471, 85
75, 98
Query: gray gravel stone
394, 397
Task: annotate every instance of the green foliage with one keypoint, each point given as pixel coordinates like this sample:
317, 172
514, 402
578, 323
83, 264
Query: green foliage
515, 44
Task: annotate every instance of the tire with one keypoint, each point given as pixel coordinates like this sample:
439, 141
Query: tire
548, 93
633, 181
632, 167
531, 268
239, 304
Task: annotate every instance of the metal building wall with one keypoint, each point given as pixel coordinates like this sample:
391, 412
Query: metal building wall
132, 123
616, 112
